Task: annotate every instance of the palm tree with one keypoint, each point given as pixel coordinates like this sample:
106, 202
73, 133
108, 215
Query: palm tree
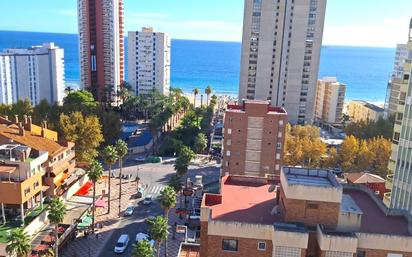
57, 211
142, 249
208, 91
68, 90
195, 93
121, 149
158, 231
167, 201
95, 173
19, 243
109, 157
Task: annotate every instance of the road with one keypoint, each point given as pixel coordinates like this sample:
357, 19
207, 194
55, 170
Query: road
156, 177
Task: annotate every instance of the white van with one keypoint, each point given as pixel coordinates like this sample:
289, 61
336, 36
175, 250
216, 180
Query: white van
121, 244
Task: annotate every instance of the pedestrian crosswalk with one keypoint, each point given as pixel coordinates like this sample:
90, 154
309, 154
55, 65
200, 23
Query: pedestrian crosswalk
154, 190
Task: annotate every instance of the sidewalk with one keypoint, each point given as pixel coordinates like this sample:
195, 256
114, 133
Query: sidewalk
91, 245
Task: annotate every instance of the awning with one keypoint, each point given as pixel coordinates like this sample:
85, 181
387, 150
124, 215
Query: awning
85, 188
86, 222
7, 169
100, 203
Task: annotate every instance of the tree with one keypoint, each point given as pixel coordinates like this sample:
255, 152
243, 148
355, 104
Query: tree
109, 157
348, 152
175, 182
143, 248
95, 173
313, 151
195, 93
370, 129
57, 211
80, 98
183, 160
167, 200
19, 243
208, 91
200, 143
364, 157
381, 149
121, 149
85, 132
332, 160
158, 231
68, 90
111, 126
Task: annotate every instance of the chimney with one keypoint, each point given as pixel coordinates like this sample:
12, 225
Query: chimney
21, 130
29, 123
16, 119
42, 132
24, 119
44, 124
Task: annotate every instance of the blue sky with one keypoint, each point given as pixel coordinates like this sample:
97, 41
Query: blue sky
348, 22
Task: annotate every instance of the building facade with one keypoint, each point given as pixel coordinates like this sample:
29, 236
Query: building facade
359, 110
35, 73
280, 54
149, 65
34, 165
254, 136
101, 46
330, 97
307, 213
397, 105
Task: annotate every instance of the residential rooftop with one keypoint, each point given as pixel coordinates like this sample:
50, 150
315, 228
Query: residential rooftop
242, 107
363, 178
310, 177
369, 105
243, 199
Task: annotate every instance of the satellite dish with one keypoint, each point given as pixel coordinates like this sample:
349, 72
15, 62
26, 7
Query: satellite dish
272, 188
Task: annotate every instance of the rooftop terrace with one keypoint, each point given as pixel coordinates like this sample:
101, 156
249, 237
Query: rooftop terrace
310, 177
243, 199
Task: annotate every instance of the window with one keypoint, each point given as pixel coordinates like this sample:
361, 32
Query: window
229, 131
280, 122
227, 153
278, 156
279, 146
26, 191
312, 206
36, 184
229, 245
394, 255
229, 142
277, 167
261, 246
279, 134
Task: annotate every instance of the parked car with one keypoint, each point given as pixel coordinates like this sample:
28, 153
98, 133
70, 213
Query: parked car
122, 244
141, 236
148, 200
129, 211
140, 159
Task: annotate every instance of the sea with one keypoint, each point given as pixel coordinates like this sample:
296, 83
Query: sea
364, 70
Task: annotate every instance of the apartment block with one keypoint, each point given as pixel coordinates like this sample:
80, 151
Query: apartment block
359, 110
101, 46
280, 54
34, 165
330, 97
254, 136
35, 73
307, 213
149, 61
398, 105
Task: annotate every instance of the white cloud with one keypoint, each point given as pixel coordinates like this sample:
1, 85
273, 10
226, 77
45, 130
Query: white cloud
69, 13
186, 29
386, 33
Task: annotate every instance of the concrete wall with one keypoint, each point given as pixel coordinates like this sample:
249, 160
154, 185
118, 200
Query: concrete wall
385, 242
336, 243
74, 188
37, 224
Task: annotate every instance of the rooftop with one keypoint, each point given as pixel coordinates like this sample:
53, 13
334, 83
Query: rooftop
363, 178
189, 250
374, 220
255, 205
310, 177
256, 103
369, 105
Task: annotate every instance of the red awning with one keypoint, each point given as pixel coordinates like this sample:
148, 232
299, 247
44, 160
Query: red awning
85, 188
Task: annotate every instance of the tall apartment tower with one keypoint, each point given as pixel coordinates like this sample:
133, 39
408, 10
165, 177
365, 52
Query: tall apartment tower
400, 163
280, 54
34, 73
149, 61
101, 46
254, 139
330, 97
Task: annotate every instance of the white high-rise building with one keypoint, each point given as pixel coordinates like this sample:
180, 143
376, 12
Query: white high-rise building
34, 73
330, 97
280, 54
149, 61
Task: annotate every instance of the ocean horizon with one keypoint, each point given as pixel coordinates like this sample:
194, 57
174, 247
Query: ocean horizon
196, 63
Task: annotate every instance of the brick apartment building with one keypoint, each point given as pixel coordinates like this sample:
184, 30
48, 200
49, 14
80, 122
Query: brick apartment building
34, 165
309, 213
254, 137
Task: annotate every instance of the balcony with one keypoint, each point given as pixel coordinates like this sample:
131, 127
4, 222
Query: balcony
387, 198
389, 181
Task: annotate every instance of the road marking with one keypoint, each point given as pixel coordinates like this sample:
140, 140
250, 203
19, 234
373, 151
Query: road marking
154, 189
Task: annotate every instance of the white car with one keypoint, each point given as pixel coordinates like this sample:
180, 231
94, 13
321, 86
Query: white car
121, 244
129, 211
143, 236
148, 200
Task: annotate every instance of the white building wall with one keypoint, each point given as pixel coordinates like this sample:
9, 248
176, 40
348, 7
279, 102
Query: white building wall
280, 54
149, 61
36, 73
